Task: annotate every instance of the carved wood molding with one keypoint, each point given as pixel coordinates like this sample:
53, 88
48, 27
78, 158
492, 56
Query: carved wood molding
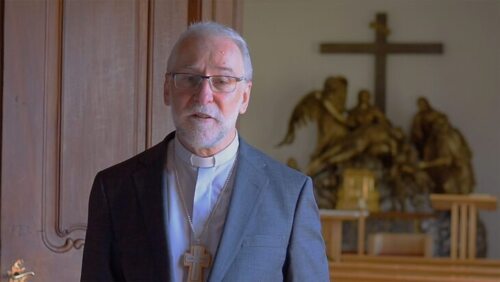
54, 236
52, 232
61, 233
195, 8
227, 12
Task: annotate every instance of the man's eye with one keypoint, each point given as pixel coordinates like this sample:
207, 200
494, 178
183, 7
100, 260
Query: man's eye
221, 80
191, 79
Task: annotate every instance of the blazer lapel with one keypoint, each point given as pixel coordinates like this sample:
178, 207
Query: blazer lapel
149, 183
246, 194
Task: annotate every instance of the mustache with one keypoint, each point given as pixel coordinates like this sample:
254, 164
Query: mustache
208, 110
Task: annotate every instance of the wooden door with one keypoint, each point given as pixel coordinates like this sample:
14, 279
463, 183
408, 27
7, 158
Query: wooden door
77, 98
82, 90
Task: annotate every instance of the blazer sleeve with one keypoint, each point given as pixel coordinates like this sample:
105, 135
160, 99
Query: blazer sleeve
97, 252
306, 258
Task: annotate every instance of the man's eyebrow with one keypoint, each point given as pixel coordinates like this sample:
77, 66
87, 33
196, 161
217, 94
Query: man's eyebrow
220, 68
225, 69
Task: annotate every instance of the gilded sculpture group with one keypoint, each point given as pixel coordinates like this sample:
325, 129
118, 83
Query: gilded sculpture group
434, 158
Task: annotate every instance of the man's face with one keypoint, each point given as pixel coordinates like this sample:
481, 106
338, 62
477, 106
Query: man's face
206, 120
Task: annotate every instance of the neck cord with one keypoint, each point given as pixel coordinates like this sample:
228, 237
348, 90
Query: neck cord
212, 212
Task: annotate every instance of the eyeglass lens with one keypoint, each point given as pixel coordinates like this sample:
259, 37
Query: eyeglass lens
218, 83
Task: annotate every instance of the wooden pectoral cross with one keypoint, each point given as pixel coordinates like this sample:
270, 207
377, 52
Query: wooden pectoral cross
196, 260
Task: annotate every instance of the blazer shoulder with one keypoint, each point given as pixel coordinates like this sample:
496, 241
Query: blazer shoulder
155, 154
270, 165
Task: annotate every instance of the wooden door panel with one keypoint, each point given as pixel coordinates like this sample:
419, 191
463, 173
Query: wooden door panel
75, 96
165, 30
102, 99
228, 12
83, 89
21, 164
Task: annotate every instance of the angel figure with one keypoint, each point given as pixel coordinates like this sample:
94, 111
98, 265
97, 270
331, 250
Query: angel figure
326, 108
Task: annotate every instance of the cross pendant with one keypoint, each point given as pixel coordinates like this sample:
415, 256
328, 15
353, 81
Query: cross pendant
197, 259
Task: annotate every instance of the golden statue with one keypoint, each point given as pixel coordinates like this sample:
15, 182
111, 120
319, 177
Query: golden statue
375, 141
364, 113
292, 163
370, 133
445, 154
364, 138
358, 191
422, 122
409, 183
326, 108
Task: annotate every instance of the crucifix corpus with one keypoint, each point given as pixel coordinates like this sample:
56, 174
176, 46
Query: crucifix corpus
196, 260
381, 48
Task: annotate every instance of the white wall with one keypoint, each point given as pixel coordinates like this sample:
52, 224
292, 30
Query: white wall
284, 38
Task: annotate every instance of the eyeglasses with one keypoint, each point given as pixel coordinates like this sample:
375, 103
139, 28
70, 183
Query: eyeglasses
218, 83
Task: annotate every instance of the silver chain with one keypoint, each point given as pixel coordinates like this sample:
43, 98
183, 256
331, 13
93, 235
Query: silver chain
212, 212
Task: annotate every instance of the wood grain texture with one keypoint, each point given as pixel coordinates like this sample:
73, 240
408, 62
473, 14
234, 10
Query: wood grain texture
83, 90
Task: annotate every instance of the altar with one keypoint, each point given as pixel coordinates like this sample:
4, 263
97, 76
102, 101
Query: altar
363, 161
408, 256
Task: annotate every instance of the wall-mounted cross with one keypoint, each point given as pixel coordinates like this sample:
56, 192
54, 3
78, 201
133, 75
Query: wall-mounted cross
381, 48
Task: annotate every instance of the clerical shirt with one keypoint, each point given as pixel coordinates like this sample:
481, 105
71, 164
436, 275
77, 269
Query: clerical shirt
202, 182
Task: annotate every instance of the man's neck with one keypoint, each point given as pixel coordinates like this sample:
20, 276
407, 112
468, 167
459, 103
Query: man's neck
209, 151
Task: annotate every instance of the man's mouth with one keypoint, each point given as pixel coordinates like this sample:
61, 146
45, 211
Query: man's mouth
202, 116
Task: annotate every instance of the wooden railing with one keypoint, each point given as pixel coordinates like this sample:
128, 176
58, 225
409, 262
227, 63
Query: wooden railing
331, 221
379, 268
464, 210
461, 266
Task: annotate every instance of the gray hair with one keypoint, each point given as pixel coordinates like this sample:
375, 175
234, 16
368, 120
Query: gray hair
215, 29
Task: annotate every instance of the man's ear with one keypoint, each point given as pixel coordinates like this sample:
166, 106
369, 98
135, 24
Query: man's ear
166, 90
246, 97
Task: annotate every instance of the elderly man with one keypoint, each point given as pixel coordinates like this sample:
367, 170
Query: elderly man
203, 205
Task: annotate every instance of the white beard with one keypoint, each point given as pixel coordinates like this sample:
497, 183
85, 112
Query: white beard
200, 135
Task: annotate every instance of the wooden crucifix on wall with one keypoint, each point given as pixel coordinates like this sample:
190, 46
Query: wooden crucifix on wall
381, 48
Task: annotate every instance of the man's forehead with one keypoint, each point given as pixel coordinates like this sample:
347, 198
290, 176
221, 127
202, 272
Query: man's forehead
218, 49
195, 68
218, 42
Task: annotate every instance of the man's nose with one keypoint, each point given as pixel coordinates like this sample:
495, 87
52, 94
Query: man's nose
205, 95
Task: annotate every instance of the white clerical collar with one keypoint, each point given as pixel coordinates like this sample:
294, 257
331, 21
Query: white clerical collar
221, 157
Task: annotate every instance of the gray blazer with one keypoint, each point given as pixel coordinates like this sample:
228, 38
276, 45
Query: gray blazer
272, 230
